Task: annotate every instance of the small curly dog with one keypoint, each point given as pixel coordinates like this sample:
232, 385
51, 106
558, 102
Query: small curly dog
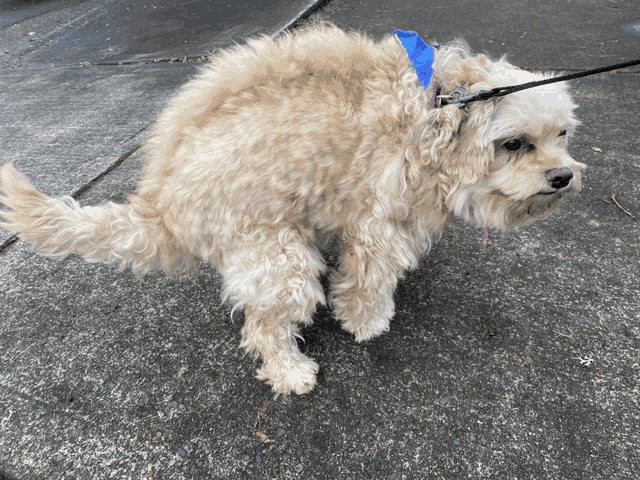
279, 144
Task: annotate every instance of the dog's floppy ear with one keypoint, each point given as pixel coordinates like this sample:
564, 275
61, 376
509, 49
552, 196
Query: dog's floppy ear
460, 147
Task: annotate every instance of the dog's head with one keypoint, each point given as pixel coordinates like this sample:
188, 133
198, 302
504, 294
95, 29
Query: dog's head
506, 158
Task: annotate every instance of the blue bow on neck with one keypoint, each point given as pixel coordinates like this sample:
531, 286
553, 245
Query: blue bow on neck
420, 54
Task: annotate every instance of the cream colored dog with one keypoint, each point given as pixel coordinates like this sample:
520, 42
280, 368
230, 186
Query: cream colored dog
277, 144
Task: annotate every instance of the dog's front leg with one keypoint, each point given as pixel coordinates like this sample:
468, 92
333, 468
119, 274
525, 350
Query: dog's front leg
374, 256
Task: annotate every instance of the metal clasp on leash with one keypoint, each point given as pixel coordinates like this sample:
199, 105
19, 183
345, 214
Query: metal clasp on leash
460, 97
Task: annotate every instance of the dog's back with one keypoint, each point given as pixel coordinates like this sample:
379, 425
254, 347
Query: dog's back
216, 155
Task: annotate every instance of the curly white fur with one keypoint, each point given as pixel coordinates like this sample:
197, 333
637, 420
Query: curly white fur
278, 143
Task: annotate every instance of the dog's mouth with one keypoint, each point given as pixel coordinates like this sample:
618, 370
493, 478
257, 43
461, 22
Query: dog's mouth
543, 203
556, 191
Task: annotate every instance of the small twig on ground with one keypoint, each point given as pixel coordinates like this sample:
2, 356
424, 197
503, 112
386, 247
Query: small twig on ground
257, 427
561, 334
613, 197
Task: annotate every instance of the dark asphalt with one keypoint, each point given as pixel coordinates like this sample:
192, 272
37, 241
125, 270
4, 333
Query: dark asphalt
518, 361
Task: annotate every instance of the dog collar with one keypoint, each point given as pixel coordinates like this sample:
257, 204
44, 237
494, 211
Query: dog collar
421, 56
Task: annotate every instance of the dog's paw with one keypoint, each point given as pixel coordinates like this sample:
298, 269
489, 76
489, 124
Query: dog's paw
297, 376
364, 331
365, 318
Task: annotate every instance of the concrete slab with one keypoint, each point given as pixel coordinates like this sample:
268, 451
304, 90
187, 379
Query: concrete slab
114, 31
520, 360
65, 126
61, 122
16, 11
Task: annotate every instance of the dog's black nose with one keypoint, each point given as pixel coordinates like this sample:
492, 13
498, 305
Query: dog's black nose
559, 177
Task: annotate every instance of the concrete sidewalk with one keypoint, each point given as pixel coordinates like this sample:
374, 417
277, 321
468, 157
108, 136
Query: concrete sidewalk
518, 361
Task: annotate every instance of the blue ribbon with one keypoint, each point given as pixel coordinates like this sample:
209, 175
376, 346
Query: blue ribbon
420, 54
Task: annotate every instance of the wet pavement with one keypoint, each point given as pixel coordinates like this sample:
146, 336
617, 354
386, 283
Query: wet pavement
518, 361
106, 32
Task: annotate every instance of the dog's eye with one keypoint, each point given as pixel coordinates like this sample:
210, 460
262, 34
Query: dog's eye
563, 133
513, 145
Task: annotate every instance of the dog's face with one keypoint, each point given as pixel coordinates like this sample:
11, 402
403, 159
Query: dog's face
523, 167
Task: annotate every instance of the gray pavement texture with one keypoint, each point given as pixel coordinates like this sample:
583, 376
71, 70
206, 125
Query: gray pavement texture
518, 361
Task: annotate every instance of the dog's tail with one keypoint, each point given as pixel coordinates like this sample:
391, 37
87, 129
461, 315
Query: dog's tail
124, 234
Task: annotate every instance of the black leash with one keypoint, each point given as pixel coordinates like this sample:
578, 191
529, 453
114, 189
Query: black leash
460, 97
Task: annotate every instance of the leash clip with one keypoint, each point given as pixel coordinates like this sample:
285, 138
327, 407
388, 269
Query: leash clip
460, 97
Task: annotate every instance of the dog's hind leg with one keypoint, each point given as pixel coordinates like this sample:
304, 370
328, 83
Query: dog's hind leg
374, 256
274, 275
